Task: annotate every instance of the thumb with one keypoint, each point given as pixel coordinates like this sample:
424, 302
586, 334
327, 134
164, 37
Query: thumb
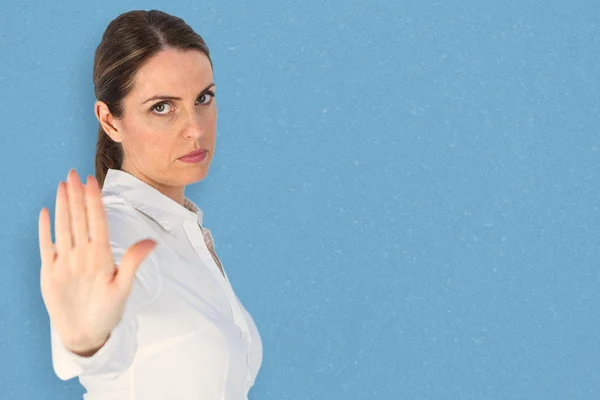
131, 260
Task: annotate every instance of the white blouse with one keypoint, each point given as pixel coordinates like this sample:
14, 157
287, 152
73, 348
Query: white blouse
184, 333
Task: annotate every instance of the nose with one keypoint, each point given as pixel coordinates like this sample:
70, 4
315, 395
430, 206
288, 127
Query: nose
193, 128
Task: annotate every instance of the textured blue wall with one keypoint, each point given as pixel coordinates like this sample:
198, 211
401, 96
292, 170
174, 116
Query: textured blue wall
405, 194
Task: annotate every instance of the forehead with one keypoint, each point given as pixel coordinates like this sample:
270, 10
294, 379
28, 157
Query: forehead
173, 72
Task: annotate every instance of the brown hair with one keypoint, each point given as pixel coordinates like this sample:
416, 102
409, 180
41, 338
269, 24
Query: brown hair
129, 41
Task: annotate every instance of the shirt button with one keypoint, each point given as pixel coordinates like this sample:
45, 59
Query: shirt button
248, 384
246, 335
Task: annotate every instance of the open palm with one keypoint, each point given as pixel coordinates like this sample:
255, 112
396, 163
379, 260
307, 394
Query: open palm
83, 290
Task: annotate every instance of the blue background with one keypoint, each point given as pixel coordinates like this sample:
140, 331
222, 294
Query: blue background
404, 194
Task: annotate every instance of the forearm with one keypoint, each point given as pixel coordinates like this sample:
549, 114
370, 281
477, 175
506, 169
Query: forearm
113, 357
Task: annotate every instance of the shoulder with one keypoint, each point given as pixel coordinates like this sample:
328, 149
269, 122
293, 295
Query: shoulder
124, 222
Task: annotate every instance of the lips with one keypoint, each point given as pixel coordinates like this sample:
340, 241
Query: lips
194, 153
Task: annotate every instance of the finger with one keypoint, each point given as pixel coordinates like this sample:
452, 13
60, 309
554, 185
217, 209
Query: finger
96, 216
85, 207
62, 224
130, 262
78, 218
45, 238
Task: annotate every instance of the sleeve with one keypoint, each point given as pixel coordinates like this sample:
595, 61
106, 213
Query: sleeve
125, 229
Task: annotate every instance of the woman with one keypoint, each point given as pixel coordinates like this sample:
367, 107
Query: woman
140, 306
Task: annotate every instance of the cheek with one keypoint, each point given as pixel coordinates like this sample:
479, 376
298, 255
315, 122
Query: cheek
147, 138
157, 145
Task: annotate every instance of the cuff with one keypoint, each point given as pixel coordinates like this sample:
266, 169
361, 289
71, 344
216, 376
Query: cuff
114, 357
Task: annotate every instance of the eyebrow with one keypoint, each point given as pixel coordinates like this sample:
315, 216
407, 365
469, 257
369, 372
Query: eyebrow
167, 97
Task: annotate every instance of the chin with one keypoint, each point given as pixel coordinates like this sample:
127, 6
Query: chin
194, 174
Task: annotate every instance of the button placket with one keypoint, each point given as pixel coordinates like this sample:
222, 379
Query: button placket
197, 239
199, 242
209, 242
237, 312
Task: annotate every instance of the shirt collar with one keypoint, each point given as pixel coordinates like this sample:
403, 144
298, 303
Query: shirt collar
150, 200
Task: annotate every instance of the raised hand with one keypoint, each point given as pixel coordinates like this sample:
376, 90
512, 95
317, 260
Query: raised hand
83, 290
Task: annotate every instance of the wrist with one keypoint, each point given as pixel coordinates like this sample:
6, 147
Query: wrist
86, 347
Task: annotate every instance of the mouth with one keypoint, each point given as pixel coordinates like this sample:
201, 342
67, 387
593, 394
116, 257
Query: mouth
195, 153
195, 157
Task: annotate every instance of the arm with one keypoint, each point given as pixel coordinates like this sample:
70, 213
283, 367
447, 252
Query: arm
114, 357
117, 353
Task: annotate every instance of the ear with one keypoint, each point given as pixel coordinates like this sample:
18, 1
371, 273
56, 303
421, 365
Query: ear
107, 121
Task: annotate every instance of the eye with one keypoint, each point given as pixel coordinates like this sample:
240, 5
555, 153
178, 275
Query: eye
159, 108
212, 95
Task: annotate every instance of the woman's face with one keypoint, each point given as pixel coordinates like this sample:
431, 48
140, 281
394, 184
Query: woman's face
170, 112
